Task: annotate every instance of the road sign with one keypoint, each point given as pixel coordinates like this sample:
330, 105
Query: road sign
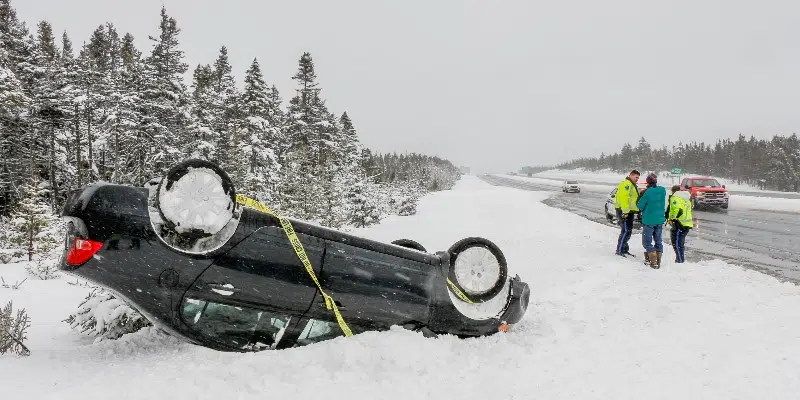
676, 171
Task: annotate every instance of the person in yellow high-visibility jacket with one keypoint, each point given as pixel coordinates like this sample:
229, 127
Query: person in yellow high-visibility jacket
679, 216
625, 205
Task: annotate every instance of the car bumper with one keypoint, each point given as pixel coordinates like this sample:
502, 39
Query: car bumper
517, 302
720, 202
572, 190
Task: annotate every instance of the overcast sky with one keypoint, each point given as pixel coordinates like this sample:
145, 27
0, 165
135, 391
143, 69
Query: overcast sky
499, 84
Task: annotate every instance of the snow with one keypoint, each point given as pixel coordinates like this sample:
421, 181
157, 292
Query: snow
738, 202
598, 327
196, 201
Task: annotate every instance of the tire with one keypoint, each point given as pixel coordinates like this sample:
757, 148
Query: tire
180, 192
410, 244
469, 260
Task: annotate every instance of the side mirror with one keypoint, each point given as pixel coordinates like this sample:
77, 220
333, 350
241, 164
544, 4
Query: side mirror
723, 186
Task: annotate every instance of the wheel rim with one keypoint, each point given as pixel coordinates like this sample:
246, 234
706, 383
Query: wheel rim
196, 200
477, 270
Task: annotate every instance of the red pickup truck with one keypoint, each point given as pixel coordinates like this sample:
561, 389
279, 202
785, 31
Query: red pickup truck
706, 191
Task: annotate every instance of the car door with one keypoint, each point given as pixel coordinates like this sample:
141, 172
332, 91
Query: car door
262, 271
375, 289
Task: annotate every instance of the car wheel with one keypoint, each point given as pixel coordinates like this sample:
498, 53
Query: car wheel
196, 198
478, 268
609, 217
409, 244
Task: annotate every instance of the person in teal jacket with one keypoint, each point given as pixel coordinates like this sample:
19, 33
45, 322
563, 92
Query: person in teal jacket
653, 204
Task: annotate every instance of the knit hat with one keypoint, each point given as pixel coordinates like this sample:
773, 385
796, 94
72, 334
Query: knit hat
652, 179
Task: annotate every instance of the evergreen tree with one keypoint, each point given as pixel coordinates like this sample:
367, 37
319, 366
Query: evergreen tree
203, 139
163, 100
263, 172
33, 222
225, 119
13, 116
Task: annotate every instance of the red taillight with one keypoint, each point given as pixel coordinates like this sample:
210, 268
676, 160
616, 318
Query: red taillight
82, 250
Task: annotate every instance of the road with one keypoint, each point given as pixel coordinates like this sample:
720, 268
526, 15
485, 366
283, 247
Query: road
765, 241
775, 195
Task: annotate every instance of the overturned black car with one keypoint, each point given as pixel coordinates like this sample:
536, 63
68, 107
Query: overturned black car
201, 265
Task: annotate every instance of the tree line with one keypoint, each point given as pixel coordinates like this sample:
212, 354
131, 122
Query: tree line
112, 112
768, 163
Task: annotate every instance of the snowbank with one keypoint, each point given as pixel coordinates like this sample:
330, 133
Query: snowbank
738, 202
598, 327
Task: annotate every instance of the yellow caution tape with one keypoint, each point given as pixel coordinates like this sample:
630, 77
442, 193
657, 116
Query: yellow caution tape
288, 229
459, 293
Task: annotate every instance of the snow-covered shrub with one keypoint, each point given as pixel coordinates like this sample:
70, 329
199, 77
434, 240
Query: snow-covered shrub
105, 316
13, 330
364, 208
408, 206
43, 269
9, 250
33, 228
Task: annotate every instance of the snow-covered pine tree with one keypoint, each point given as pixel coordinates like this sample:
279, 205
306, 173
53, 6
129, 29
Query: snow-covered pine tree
277, 120
52, 114
351, 148
34, 227
226, 120
17, 71
364, 211
203, 139
13, 115
306, 121
122, 123
164, 102
263, 171
105, 317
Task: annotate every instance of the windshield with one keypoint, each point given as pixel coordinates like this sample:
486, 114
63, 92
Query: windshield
572, 182
705, 183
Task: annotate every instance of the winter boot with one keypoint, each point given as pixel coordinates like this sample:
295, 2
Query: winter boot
652, 258
658, 259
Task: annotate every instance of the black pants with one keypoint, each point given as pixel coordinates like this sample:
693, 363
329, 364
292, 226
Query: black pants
626, 229
677, 236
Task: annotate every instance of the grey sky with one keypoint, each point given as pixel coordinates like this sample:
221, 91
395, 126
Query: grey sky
499, 84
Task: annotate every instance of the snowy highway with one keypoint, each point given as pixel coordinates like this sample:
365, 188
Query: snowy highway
762, 240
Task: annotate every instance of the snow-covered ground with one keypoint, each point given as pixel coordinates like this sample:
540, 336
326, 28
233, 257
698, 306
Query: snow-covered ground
737, 202
614, 177
598, 327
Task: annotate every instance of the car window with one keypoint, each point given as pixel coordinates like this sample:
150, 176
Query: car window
685, 183
572, 182
705, 183
234, 326
317, 331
